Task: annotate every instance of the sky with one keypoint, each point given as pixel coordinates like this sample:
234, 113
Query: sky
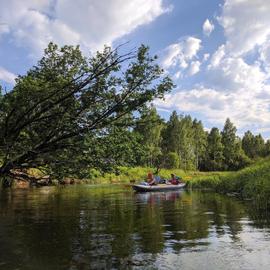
216, 51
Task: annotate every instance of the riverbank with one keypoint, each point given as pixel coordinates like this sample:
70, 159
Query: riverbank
127, 175
252, 182
124, 175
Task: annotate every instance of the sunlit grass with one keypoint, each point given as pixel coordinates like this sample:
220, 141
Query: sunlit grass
252, 182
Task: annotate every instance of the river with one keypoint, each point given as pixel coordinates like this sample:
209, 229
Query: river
110, 227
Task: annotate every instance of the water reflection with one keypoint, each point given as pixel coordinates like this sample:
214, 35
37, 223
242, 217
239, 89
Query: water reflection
157, 197
88, 227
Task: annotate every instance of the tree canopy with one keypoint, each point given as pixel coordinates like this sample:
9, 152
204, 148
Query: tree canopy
66, 96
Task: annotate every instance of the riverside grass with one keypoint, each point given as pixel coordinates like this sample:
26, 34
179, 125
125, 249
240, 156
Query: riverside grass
137, 174
127, 175
252, 182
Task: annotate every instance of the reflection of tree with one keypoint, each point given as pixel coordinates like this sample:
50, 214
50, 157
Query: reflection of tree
36, 232
149, 227
188, 226
226, 213
234, 212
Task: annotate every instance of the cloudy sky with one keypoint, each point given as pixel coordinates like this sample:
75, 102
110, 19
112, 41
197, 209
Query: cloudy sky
217, 51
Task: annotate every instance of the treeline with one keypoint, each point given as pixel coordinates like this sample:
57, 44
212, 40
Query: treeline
182, 142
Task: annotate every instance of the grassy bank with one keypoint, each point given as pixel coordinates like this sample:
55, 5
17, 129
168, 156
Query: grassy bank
137, 174
126, 175
252, 182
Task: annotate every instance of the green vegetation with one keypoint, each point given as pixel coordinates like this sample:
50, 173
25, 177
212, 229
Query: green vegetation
252, 182
126, 174
63, 114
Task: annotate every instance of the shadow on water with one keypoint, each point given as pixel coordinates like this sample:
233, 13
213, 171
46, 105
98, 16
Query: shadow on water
87, 227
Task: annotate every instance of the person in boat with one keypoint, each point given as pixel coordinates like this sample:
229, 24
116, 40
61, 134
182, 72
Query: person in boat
174, 179
151, 179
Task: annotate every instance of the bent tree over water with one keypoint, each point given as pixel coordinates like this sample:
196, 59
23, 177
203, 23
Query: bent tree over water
45, 118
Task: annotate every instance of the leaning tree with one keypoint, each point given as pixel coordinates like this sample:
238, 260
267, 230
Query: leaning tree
67, 96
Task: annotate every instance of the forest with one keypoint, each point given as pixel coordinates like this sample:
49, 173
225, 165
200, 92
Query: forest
182, 142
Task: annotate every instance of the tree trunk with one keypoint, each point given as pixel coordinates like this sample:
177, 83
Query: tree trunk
5, 178
6, 181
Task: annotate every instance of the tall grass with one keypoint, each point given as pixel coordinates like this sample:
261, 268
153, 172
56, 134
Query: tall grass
127, 174
252, 182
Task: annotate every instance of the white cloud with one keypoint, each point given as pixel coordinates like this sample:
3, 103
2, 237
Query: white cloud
264, 52
90, 23
101, 22
173, 56
217, 56
247, 31
246, 109
206, 56
233, 73
236, 78
191, 47
246, 24
194, 67
180, 56
7, 76
208, 27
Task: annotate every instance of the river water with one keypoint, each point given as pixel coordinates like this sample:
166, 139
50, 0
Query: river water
102, 227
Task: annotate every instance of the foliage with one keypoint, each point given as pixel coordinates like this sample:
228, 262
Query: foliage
127, 174
253, 146
172, 160
149, 127
214, 158
228, 139
200, 142
186, 138
45, 118
231, 157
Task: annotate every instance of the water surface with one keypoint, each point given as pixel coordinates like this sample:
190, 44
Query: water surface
101, 227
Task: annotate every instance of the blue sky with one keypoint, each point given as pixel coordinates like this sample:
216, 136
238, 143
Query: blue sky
217, 51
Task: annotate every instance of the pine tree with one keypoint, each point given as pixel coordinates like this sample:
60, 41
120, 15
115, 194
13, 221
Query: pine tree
259, 146
248, 144
229, 142
214, 160
235, 157
186, 143
267, 148
200, 141
170, 135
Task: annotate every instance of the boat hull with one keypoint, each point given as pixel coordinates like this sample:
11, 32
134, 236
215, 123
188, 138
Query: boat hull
143, 188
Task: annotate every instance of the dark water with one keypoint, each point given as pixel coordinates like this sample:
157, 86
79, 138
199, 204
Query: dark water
86, 227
